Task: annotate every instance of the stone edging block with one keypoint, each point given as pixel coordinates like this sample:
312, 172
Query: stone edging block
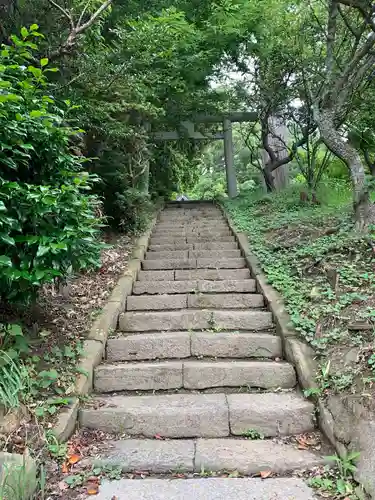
339, 433
94, 345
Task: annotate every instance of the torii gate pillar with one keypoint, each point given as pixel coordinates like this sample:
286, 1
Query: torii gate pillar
229, 159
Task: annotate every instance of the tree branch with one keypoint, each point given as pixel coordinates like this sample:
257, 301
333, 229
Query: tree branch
94, 17
77, 29
331, 37
83, 12
65, 12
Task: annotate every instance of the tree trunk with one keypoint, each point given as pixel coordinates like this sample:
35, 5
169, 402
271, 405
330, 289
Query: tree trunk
268, 178
352, 158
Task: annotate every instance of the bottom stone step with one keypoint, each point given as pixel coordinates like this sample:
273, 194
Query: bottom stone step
245, 456
207, 489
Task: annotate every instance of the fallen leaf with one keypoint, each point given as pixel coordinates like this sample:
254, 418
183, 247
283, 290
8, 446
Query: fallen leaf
73, 459
158, 436
93, 489
265, 473
65, 468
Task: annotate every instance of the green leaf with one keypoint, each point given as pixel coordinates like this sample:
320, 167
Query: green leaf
15, 330
36, 113
24, 32
44, 62
34, 27
5, 261
7, 239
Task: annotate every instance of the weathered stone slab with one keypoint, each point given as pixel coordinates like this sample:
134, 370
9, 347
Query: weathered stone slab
163, 287
225, 301
218, 245
227, 286
286, 488
169, 264
193, 226
156, 275
170, 246
215, 254
271, 414
250, 457
165, 321
221, 263
207, 237
262, 374
167, 240
158, 456
211, 274
149, 346
242, 320
235, 345
183, 232
159, 302
138, 376
171, 415
169, 254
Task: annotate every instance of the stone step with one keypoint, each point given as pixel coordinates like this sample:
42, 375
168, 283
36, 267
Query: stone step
191, 219
183, 233
168, 254
195, 320
225, 301
195, 274
165, 240
194, 254
170, 415
250, 457
178, 245
163, 287
194, 301
167, 375
200, 226
200, 263
288, 488
211, 274
156, 345
169, 264
148, 346
191, 415
215, 254
156, 303
138, 376
270, 414
235, 345
259, 374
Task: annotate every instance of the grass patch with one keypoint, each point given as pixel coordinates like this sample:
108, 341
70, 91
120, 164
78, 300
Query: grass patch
325, 272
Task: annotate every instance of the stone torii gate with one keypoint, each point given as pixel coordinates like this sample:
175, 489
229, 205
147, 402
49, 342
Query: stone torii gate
187, 130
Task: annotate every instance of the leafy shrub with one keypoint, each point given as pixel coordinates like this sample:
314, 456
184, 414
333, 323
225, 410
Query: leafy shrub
48, 225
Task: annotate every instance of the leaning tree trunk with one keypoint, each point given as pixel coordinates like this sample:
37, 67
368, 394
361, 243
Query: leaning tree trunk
268, 178
352, 158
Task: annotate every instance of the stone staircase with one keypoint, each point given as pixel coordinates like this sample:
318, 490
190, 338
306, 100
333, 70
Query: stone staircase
195, 371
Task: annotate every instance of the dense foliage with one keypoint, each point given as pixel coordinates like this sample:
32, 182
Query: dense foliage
47, 216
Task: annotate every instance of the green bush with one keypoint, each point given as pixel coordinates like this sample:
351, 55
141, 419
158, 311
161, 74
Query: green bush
48, 225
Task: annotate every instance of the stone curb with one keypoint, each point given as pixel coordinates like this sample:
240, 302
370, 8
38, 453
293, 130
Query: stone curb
302, 356
95, 343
